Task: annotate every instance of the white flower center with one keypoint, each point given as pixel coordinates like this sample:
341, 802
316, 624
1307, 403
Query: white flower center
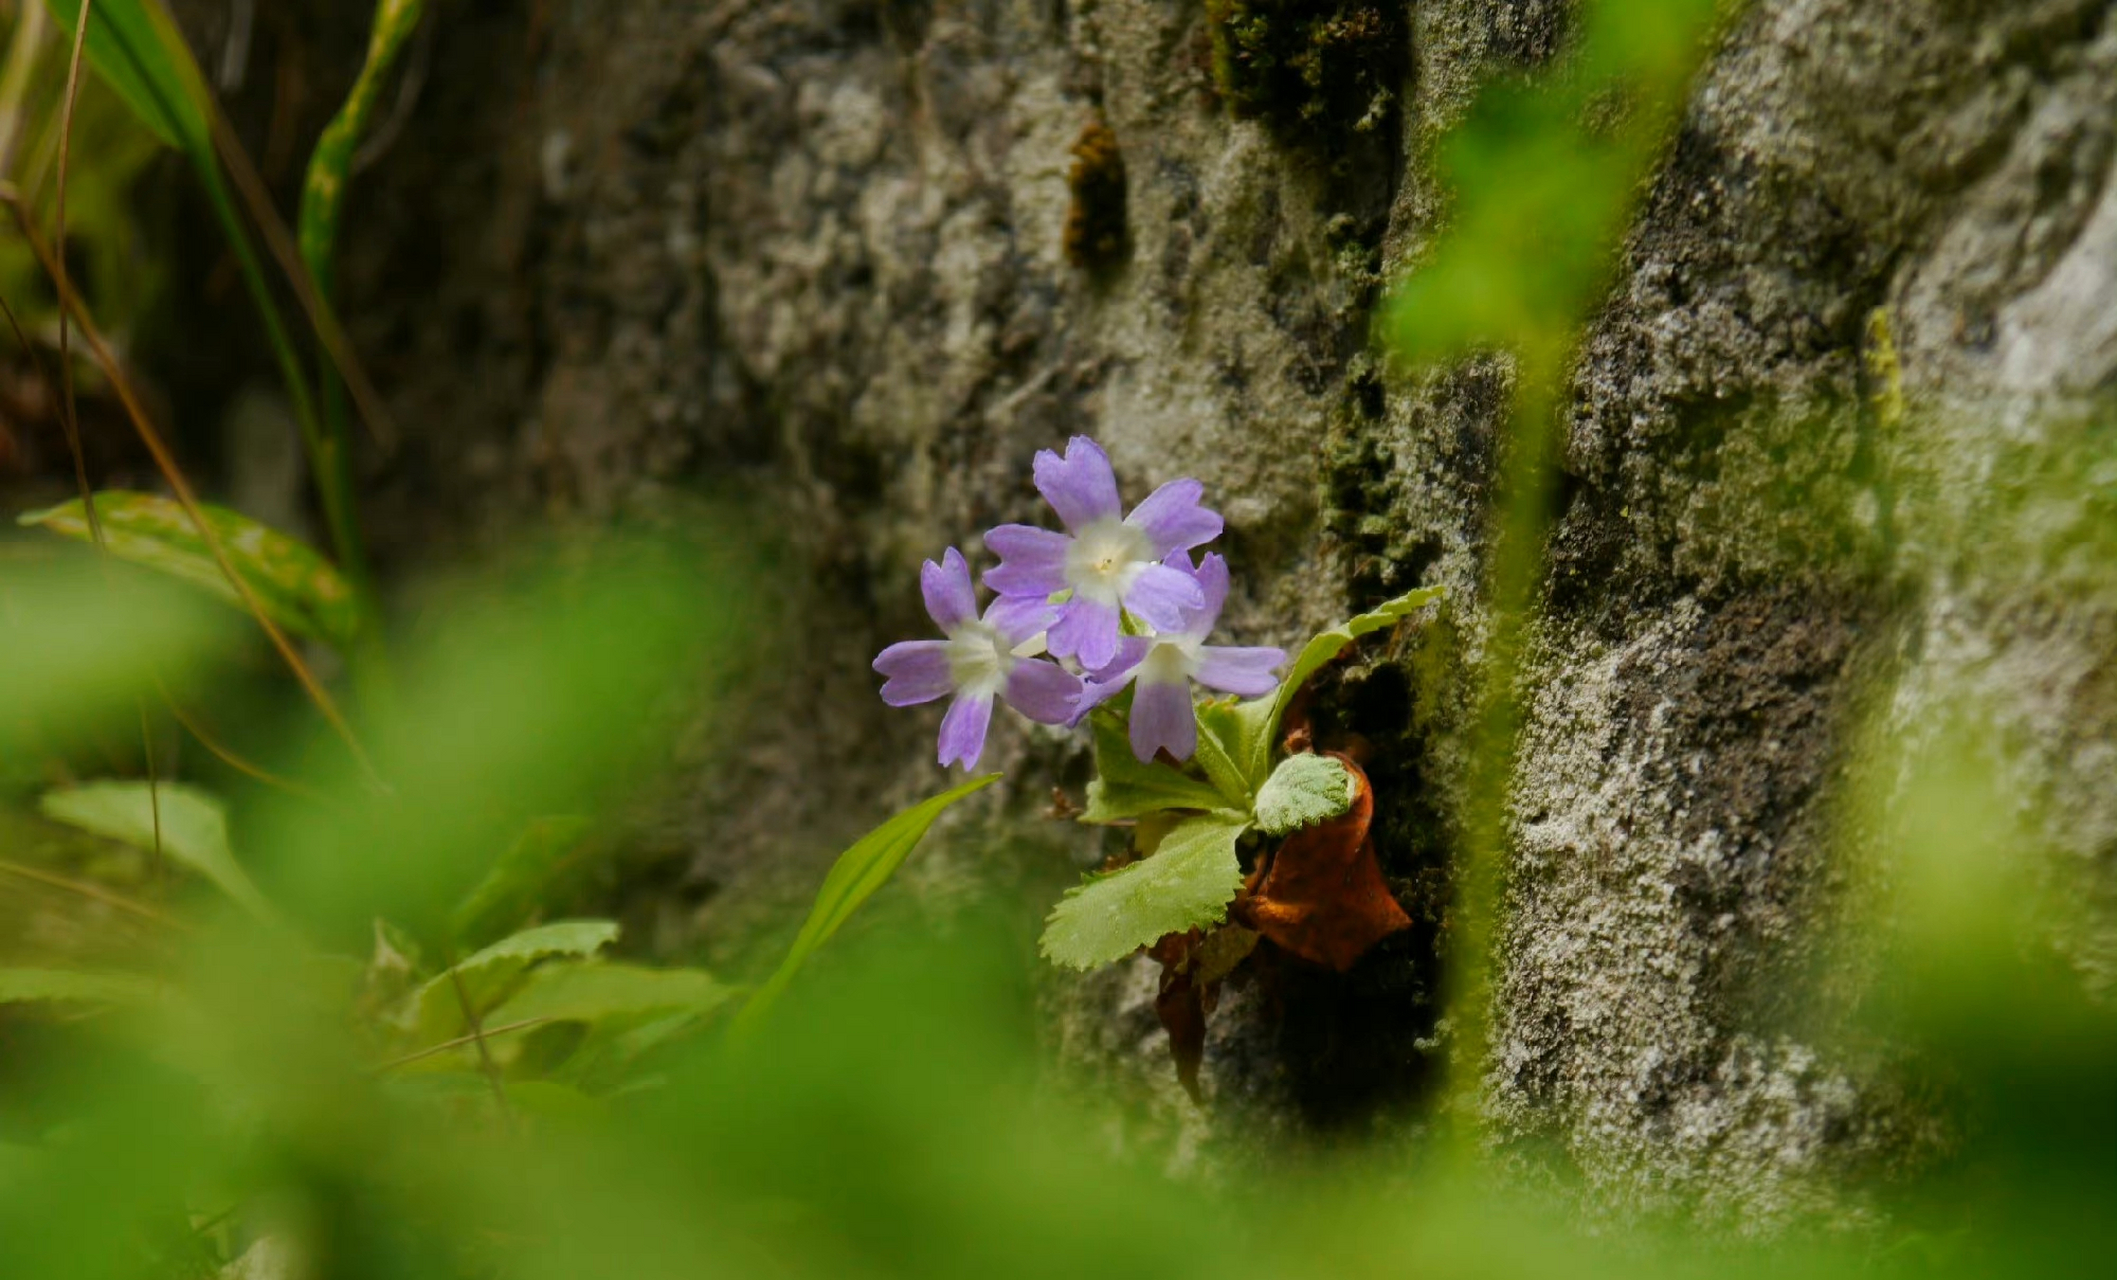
1170, 661
1106, 558
978, 660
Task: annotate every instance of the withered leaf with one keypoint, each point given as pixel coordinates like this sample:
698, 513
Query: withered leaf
1323, 897
1181, 1003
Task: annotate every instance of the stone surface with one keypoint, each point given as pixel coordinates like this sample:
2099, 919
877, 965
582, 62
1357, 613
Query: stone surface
810, 253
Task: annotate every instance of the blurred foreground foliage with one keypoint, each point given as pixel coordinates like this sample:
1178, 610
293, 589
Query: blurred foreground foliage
320, 1026
300, 1089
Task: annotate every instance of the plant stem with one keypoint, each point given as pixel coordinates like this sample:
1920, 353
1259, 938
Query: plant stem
322, 202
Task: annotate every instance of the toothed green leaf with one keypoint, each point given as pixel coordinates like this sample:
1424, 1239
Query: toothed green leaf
1304, 790
1186, 883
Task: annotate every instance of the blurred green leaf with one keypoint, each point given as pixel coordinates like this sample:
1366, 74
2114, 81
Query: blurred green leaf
1125, 788
436, 1011
65, 986
521, 878
1305, 789
297, 587
552, 690
1186, 883
853, 879
141, 55
193, 829
594, 991
1542, 177
81, 644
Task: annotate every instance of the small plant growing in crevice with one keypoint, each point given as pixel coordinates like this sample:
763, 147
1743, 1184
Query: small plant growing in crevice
1106, 623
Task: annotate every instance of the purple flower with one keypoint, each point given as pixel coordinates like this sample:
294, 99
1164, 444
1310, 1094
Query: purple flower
1163, 667
1111, 562
982, 659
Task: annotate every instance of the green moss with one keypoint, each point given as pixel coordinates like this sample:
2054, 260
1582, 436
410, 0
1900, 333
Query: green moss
1312, 69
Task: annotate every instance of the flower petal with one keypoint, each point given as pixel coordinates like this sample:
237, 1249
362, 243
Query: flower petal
1172, 518
951, 601
1080, 486
1032, 560
1087, 630
1166, 599
1103, 685
963, 730
1212, 579
917, 671
1131, 651
1043, 691
1162, 718
1247, 672
1017, 618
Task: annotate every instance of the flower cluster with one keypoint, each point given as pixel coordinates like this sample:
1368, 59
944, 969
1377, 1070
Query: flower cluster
1113, 601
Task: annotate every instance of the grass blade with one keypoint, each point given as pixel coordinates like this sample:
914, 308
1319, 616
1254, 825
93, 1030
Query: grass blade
853, 879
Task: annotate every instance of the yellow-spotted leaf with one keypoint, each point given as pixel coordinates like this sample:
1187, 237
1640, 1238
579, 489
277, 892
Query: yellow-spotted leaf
298, 588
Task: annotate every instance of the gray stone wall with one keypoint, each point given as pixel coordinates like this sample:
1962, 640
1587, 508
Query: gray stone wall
813, 253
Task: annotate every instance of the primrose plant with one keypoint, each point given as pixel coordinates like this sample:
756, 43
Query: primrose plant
1106, 621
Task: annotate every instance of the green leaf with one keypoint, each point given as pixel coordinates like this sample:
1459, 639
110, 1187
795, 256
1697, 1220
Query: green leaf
511, 890
1126, 788
140, 54
1305, 789
81, 644
193, 826
1185, 884
323, 187
1241, 731
853, 879
596, 991
1221, 768
67, 986
297, 587
491, 975
137, 50
1330, 644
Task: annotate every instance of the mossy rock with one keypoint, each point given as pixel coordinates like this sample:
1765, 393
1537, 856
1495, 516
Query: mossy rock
1311, 69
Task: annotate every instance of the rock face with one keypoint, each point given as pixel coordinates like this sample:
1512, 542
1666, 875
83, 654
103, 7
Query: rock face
816, 252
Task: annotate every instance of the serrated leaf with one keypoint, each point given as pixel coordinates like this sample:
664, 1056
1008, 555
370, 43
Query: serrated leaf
1305, 789
1126, 788
193, 827
299, 589
138, 52
490, 975
853, 879
1187, 883
68, 986
1329, 644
